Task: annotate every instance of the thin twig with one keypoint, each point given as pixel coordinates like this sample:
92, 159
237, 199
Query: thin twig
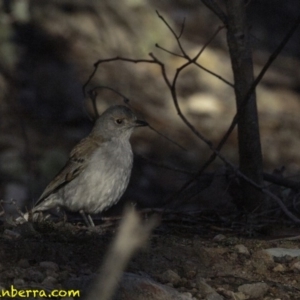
93, 93
208, 42
167, 138
247, 97
168, 51
185, 55
214, 7
214, 74
182, 28
172, 86
101, 61
125, 99
164, 166
177, 37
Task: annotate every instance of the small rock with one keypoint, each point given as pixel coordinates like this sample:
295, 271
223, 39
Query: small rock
254, 290
203, 287
279, 268
239, 296
51, 273
140, 288
170, 276
280, 252
296, 266
242, 249
19, 282
183, 281
23, 263
8, 274
82, 283
10, 234
169, 284
214, 296
262, 261
181, 289
187, 294
191, 274
219, 237
49, 265
49, 281
34, 275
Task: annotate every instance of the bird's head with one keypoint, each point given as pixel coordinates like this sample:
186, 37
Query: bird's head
117, 121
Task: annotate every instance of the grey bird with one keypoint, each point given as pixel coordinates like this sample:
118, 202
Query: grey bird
98, 170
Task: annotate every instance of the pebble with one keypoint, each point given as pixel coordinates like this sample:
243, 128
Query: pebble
10, 234
219, 237
170, 276
214, 296
49, 281
242, 249
49, 265
203, 287
35, 275
191, 274
254, 290
280, 252
23, 263
296, 266
239, 296
279, 268
19, 282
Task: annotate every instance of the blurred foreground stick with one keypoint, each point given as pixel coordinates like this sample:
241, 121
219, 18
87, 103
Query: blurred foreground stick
132, 235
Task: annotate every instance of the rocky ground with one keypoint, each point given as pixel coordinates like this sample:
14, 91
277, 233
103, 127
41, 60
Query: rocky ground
186, 258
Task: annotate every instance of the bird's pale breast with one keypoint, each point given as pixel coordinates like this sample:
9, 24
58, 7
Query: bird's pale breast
103, 181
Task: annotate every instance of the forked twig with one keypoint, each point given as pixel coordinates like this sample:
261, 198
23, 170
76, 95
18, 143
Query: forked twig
101, 61
184, 53
171, 84
167, 138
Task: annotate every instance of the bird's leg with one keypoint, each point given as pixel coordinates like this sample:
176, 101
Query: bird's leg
91, 220
87, 219
84, 218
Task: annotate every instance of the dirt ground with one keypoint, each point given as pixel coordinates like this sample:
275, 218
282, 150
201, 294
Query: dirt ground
198, 258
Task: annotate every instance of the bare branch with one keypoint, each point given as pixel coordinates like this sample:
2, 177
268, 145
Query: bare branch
214, 74
164, 166
252, 88
171, 84
125, 99
101, 61
182, 28
208, 42
168, 51
256, 82
167, 138
214, 7
177, 37
185, 55
172, 87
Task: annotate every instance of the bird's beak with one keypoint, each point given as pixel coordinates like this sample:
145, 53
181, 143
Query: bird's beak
139, 123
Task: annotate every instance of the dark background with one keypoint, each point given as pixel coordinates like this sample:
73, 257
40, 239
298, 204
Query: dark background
48, 49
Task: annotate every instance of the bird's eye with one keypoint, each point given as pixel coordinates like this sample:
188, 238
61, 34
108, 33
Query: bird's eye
119, 121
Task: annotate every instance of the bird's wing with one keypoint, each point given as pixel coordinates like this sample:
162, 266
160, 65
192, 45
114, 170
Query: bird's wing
77, 162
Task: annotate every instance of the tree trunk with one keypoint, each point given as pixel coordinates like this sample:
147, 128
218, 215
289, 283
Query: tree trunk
250, 155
